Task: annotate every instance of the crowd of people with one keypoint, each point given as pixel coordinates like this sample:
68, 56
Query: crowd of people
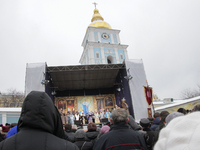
84, 118
40, 127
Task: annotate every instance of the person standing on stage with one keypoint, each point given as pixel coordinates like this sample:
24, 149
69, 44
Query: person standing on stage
90, 117
62, 116
96, 115
87, 118
77, 116
102, 114
71, 118
66, 117
82, 118
108, 114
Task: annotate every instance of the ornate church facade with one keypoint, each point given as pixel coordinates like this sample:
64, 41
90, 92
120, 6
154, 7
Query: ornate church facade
101, 44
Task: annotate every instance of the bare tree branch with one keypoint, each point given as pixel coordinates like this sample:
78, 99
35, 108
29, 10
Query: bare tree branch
12, 98
188, 93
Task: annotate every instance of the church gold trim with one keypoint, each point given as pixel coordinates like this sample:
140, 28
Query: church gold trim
95, 97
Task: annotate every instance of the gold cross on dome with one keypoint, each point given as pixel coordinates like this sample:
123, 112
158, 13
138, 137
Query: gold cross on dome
95, 4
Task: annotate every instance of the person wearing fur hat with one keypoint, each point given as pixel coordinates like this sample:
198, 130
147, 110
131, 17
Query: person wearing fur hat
81, 140
182, 133
147, 133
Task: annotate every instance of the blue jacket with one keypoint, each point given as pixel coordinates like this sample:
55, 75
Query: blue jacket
155, 123
11, 132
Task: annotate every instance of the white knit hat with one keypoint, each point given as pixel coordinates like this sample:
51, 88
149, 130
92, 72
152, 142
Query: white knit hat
182, 133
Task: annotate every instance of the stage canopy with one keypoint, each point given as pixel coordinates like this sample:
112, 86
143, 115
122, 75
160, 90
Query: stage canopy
84, 76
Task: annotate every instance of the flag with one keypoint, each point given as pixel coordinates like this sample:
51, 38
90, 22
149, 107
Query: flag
148, 94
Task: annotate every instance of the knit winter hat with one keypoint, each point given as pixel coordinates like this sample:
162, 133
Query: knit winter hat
144, 122
182, 133
5, 129
80, 133
105, 129
172, 116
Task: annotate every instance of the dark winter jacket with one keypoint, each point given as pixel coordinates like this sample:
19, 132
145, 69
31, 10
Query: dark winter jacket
120, 137
155, 124
92, 135
149, 137
83, 144
39, 126
70, 136
132, 124
157, 130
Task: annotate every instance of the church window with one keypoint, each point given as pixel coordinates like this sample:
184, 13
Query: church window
97, 55
121, 56
115, 38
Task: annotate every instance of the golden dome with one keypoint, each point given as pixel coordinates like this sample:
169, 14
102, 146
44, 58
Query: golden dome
98, 21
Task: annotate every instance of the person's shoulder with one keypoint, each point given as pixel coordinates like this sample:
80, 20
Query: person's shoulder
6, 143
71, 146
1, 144
64, 143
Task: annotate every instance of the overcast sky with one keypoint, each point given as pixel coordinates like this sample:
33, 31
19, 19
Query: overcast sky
165, 34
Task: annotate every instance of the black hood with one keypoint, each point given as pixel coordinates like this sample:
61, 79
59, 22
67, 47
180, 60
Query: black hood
39, 112
92, 134
133, 125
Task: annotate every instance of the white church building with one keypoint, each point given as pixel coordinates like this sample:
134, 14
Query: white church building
101, 44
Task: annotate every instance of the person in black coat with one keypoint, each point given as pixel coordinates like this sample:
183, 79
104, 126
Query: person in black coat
149, 136
120, 136
81, 140
69, 133
132, 124
92, 132
39, 126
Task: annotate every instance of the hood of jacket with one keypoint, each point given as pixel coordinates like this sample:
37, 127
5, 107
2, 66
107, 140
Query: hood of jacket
132, 123
38, 112
92, 134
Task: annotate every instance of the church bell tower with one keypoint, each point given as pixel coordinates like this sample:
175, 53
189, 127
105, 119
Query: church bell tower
101, 44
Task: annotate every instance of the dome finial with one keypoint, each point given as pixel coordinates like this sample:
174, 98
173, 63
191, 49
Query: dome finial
95, 4
97, 20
